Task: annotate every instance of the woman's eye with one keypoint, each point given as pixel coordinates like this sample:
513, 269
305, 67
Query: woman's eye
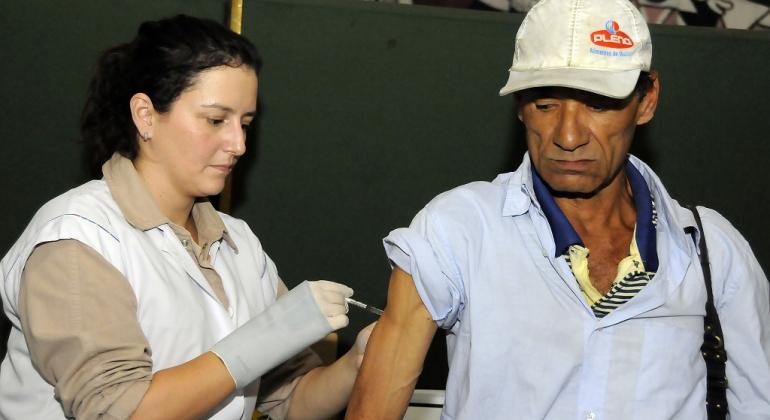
215, 121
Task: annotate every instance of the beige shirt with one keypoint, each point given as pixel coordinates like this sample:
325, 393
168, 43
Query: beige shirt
78, 313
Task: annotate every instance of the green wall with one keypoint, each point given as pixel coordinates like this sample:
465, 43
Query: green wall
367, 111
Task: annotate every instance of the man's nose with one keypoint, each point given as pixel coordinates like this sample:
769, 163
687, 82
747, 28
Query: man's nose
571, 132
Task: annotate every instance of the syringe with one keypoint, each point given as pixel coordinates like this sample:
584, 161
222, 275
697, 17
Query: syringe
364, 306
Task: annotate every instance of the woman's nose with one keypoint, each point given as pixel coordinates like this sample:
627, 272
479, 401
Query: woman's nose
236, 141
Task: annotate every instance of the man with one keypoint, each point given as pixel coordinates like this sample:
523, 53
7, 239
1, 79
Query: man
570, 288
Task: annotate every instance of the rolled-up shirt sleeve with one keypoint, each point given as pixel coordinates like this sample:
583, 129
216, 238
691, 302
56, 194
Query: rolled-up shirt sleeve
424, 251
78, 316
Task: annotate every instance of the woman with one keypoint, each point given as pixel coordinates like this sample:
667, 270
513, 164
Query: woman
131, 296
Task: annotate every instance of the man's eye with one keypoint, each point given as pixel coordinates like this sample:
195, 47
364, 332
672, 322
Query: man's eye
597, 108
543, 107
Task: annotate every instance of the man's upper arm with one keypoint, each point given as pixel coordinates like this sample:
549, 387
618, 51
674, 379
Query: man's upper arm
395, 353
405, 305
742, 299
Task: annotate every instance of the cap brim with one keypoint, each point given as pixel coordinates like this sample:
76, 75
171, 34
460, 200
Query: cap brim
614, 84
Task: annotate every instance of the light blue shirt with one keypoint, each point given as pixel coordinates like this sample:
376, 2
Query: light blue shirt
523, 343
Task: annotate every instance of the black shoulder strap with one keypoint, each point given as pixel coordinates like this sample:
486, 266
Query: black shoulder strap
713, 348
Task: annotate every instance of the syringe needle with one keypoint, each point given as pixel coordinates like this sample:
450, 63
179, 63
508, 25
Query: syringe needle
364, 306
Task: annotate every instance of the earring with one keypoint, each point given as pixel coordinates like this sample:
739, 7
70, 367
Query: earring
146, 136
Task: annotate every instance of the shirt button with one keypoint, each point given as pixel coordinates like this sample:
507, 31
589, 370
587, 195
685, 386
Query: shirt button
185, 243
231, 312
591, 416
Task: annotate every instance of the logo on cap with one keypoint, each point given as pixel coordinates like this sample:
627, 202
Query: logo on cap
611, 36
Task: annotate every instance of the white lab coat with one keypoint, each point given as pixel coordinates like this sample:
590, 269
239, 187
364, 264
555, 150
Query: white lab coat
176, 308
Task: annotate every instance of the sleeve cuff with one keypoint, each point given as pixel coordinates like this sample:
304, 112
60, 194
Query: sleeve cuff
125, 405
415, 255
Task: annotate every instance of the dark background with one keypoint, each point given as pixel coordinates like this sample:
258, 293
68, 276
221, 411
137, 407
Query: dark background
369, 110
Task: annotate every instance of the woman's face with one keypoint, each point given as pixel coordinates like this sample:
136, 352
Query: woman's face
194, 146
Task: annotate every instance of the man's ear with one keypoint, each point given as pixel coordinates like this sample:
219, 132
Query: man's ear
142, 112
519, 106
649, 101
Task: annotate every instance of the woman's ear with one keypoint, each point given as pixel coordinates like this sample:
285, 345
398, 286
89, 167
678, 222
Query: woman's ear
142, 113
649, 102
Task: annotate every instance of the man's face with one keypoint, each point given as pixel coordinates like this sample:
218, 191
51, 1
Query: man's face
578, 141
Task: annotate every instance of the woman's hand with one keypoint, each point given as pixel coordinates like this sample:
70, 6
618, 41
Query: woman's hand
360, 345
330, 298
325, 390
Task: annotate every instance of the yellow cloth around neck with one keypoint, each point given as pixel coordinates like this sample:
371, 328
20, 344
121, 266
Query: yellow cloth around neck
578, 256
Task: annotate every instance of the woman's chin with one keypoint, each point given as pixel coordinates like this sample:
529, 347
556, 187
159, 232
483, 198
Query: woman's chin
212, 188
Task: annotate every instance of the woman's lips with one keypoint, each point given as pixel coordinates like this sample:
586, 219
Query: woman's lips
223, 168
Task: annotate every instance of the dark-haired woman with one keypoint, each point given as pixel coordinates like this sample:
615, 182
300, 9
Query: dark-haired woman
130, 296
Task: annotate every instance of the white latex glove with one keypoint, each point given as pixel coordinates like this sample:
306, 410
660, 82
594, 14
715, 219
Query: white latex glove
330, 298
361, 340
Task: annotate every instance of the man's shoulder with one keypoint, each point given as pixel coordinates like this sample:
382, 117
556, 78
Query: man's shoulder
732, 262
473, 196
719, 231
467, 210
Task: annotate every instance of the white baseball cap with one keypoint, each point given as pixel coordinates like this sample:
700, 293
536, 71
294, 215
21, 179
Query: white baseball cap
599, 46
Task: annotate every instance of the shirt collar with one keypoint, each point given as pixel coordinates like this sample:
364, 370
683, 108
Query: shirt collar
565, 235
518, 185
142, 212
646, 218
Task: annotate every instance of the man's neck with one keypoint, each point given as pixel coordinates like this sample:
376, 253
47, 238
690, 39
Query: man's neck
610, 209
605, 223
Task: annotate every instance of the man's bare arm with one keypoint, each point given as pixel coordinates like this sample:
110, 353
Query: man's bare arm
395, 354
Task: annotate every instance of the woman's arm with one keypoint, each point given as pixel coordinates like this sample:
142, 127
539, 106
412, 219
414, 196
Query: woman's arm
325, 390
189, 390
78, 315
297, 319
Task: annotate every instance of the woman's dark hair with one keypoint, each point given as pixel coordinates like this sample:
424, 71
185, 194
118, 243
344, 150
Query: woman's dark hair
162, 61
